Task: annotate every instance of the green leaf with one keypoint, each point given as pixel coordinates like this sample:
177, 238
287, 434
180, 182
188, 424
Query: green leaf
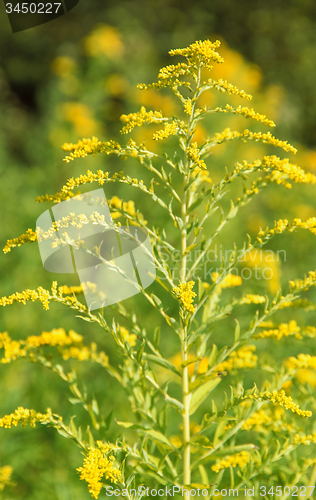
162, 362
127, 425
200, 394
204, 476
220, 430
90, 438
212, 357
189, 248
201, 381
158, 437
157, 335
237, 331
64, 433
231, 450
85, 318
175, 403
72, 427
200, 289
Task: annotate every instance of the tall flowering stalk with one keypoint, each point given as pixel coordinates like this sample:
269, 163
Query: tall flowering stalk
220, 437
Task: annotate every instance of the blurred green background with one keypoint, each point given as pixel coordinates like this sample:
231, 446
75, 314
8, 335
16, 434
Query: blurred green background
73, 78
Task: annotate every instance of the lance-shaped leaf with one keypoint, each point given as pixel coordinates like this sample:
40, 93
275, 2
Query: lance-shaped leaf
201, 393
158, 437
162, 362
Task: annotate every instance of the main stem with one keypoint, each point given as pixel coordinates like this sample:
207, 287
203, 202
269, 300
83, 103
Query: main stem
186, 396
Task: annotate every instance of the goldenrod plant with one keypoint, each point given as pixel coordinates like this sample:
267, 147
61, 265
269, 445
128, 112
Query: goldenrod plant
191, 438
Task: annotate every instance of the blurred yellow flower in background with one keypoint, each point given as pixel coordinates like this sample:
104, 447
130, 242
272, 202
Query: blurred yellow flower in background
104, 40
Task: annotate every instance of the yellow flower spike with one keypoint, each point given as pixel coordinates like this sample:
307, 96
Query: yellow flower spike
247, 113
140, 118
193, 154
302, 361
284, 330
242, 358
237, 460
281, 399
30, 235
43, 296
185, 295
258, 418
96, 466
229, 281
170, 128
252, 299
87, 147
23, 417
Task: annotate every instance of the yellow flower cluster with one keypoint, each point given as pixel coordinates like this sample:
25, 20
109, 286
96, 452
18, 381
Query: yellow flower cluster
283, 224
85, 353
242, 358
129, 337
173, 71
87, 147
188, 107
140, 118
185, 295
305, 439
23, 417
265, 418
126, 206
252, 299
55, 337
283, 330
302, 361
170, 128
43, 296
237, 460
230, 280
14, 349
281, 399
193, 154
69, 290
202, 52
224, 86
96, 465
294, 172
258, 418
87, 178
247, 113
40, 294
30, 235
304, 284
266, 138
5, 476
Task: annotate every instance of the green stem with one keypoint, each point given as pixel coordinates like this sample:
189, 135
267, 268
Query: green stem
186, 396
